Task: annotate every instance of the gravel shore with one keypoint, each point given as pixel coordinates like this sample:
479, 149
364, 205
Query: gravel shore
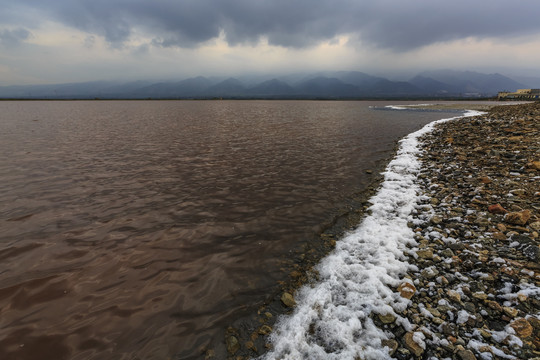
475, 283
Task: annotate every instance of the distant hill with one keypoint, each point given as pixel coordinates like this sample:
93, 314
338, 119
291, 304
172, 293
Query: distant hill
230, 87
272, 87
530, 82
432, 86
184, 88
328, 85
470, 82
71, 90
322, 86
362, 80
386, 87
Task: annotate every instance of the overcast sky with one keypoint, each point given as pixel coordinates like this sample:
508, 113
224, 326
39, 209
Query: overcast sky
78, 40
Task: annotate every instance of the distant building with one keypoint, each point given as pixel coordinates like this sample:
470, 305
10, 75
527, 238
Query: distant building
520, 94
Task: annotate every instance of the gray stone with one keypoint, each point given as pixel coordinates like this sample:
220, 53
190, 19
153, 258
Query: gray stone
447, 253
532, 252
430, 273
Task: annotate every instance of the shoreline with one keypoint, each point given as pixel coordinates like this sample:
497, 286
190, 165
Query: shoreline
414, 335
393, 99
477, 276
247, 336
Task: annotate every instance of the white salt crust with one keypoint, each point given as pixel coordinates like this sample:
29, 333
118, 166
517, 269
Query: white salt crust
332, 319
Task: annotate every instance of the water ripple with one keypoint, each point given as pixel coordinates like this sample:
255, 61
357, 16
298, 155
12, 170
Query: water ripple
142, 229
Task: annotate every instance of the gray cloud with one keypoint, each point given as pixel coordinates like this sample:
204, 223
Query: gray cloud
392, 24
14, 37
90, 41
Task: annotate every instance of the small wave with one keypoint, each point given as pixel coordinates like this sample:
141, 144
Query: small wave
396, 107
333, 316
418, 108
407, 107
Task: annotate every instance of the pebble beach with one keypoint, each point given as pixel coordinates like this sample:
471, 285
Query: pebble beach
475, 286
445, 264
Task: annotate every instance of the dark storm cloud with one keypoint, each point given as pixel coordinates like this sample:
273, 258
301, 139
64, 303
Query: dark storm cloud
394, 24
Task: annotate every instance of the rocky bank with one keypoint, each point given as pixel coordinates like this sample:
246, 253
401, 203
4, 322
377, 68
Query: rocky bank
474, 283
475, 287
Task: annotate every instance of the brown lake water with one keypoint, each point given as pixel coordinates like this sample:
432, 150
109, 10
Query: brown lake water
142, 229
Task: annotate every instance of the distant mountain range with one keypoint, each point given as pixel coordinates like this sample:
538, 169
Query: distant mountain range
322, 85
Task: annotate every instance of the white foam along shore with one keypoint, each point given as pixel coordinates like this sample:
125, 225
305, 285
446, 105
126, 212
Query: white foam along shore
407, 107
332, 319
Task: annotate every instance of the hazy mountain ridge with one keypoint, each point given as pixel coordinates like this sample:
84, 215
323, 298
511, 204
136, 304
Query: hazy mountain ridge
328, 85
473, 82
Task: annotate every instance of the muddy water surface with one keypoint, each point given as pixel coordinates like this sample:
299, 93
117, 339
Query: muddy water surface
139, 229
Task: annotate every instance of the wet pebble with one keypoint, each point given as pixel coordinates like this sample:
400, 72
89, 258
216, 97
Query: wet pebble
478, 251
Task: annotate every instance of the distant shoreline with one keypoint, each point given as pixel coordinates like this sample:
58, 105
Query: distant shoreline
264, 98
